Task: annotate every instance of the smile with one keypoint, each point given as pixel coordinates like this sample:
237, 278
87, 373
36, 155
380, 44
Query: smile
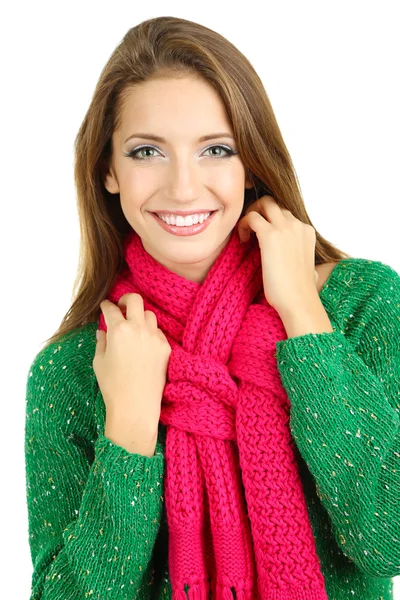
185, 229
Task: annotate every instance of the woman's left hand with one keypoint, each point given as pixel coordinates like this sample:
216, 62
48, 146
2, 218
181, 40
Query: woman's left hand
287, 248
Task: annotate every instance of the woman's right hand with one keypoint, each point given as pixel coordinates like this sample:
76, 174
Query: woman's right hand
130, 364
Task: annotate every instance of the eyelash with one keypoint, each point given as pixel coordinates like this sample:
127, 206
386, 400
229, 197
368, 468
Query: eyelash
132, 153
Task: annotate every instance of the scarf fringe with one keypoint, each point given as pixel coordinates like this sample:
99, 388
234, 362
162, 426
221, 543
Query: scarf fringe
179, 595
201, 591
229, 593
197, 591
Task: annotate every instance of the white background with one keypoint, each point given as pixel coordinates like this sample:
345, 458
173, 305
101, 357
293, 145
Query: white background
331, 70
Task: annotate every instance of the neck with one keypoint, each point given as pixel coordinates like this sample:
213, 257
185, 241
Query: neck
196, 272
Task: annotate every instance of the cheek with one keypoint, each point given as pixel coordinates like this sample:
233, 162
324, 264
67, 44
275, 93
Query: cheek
229, 181
136, 189
132, 199
137, 181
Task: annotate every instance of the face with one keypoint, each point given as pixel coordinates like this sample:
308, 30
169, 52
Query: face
180, 173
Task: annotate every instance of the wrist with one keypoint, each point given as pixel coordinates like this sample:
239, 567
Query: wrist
307, 317
137, 437
121, 422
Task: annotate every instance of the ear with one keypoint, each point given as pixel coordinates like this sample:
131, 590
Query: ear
249, 182
110, 180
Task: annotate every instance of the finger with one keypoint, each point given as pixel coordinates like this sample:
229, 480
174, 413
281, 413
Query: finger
244, 228
262, 200
151, 318
111, 313
251, 223
264, 204
268, 207
288, 213
133, 306
101, 344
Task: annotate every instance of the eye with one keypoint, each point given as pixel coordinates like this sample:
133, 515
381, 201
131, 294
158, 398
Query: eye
134, 154
227, 149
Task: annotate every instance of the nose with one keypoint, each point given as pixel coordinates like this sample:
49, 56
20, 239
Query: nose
184, 180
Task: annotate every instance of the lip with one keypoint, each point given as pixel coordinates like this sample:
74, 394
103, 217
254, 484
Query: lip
183, 231
183, 213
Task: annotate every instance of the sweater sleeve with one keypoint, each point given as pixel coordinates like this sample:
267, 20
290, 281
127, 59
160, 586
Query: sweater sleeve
344, 418
93, 509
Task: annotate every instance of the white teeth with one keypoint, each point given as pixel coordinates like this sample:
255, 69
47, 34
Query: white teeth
187, 221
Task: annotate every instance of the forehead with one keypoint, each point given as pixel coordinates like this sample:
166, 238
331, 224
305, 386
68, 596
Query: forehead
179, 108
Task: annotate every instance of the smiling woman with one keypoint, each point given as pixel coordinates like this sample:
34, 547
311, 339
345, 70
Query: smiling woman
179, 121
179, 442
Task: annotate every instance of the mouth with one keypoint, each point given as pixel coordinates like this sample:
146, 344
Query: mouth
184, 230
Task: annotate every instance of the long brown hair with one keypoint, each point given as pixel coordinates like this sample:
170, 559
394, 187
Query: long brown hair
162, 47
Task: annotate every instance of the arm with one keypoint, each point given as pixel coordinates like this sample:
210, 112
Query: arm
345, 421
93, 511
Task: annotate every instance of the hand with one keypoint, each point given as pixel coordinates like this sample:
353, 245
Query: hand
131, 362
287, 248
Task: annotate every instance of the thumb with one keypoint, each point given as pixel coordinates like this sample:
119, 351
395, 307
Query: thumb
101, 341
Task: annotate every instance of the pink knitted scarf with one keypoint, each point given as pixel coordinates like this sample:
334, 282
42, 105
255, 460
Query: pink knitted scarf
237, 517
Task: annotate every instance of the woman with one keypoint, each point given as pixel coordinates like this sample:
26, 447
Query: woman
234, 431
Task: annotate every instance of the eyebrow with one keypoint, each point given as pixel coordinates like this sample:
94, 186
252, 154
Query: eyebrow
157, 138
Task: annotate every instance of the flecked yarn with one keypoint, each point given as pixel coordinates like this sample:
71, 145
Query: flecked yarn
237, 517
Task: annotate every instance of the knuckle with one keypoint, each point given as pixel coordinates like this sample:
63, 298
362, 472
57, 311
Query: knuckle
310, 229
121, 327
167, 346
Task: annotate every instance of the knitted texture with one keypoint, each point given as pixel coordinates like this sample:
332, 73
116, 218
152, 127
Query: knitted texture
236, 511
97, 524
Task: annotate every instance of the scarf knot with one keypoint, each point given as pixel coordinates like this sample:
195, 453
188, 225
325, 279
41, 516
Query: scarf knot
199, 396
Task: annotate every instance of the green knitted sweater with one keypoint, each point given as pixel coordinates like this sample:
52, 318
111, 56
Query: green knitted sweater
97, 523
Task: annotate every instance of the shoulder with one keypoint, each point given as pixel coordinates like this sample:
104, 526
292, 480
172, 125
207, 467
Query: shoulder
324, 270
61, 378
67, 358
355, 290
376, 294
363, 297
360, 275
373, 319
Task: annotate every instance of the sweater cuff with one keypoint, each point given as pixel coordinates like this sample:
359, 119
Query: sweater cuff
136, 466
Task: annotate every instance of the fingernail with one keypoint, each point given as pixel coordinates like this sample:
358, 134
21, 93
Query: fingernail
98, 334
